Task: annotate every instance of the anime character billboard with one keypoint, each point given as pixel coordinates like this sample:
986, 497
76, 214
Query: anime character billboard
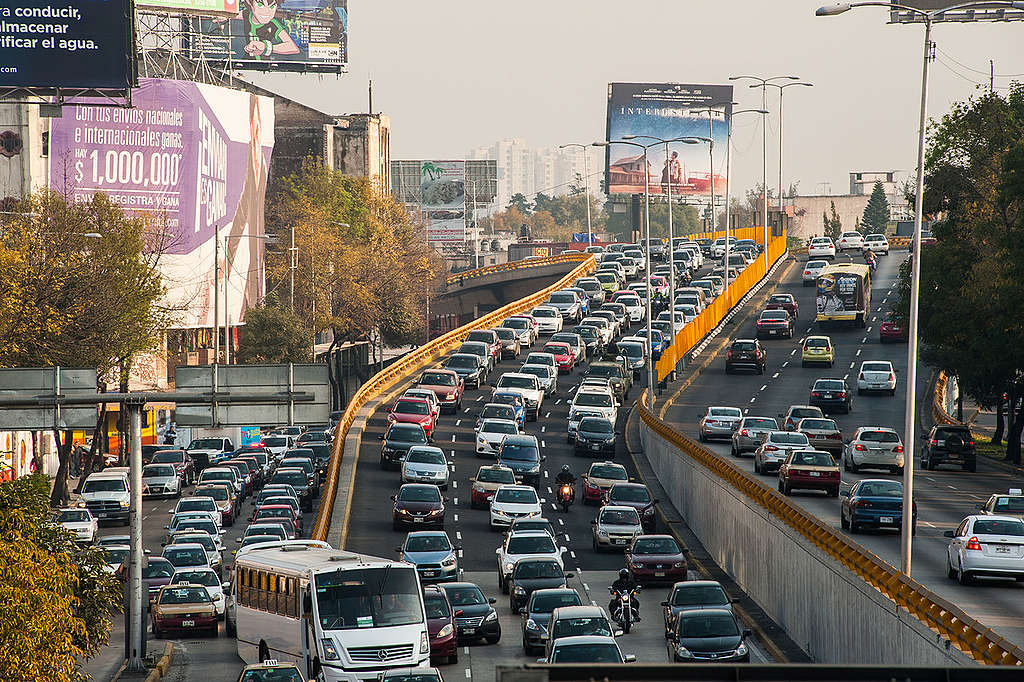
277, 35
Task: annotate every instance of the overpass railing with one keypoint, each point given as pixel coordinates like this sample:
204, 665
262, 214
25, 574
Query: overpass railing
575, 257
425, 355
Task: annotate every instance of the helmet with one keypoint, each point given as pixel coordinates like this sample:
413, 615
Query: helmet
565, 468
623, 573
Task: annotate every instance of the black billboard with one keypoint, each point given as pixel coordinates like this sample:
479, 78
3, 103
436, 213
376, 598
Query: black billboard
76, 44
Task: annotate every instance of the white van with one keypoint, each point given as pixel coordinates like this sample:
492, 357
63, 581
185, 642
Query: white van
107, 495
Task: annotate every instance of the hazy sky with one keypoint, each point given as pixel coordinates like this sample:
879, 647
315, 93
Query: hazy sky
455, 74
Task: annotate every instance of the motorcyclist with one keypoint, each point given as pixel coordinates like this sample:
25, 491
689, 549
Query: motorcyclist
869, 257
565, 476
625, 583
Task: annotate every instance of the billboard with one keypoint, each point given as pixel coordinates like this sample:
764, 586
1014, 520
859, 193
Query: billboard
276, 35
443, 200
81, 44
666, 111
192, 156
899, 14
224, 7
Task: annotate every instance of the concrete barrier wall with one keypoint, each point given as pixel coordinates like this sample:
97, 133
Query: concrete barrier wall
834, 615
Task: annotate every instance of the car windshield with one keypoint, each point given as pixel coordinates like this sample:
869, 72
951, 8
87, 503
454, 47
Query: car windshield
262, 514
294, 478
481, 336
204, 525
503, 412
540, 359
546, 603
819, 424
169, 457
539, 371
368, 597
436, 606
545, 313
157, 470
699, 595
512, 381
816, 264
556, 349
498, 426
513, 399
817, 343
813, 459
158, 568
880, 489
1009, 504
744, 346
530, 544
879, 437
537, 569
437, 379
516, 496
222, 475
829, 385
185, 556
256, 539
412, 407
587, 625
463, 361
117, 555
630, 349
184, 595
655, 546
609, 471
597, 425
517, 323
465, 595
206, 444
427, 543
205, 504
593, 399
505, 334
286, 674
104, 485
426, 457
73, 516
788, 438
620, 517
604, 371
999, 527
630, 493
407, 433
419, 493
708, 625
496, 476
520, 452
275, 442
206, 578
780, 298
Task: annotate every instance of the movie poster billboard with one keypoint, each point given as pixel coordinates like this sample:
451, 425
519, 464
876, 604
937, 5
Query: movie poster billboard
193, 158
276, 35
443, 200
840, 296
667, 111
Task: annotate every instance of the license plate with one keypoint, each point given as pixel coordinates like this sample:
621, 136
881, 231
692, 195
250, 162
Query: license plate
429, 574
469, 631
828, 395
814, 473
773, 331
1002, 550
417, 520
659, 574
885, 519
594, 447
187, 623
104, 515
618, 542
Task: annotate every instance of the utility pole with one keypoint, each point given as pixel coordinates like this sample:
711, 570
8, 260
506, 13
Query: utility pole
216, 295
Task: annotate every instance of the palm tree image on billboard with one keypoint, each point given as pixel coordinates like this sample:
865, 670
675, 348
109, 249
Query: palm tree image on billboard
667, 111
443, 200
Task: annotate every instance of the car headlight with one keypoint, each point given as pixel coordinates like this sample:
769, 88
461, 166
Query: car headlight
125, 504
602, 533
683, 652
520, 591
424, 643
491, 615
448, 629
330, 651
678, 564
509, 567
449, 562
531, 624
741, 650
477, 488
450, 395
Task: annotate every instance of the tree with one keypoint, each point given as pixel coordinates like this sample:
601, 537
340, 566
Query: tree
55, 597
273, 335
876, 213
833, 224
520, 203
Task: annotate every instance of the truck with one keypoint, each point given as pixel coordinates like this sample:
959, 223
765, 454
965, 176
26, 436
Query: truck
844, 293
107, 494
210, 445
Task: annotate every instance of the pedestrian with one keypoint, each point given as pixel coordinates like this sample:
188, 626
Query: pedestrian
171, 437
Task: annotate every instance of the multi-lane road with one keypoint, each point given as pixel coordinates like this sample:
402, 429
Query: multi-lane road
944, 496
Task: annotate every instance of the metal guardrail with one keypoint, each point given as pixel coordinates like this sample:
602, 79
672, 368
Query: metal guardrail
945, 618
517, 265
423, 356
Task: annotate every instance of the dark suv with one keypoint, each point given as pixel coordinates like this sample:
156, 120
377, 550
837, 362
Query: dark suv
747, 354
949, 444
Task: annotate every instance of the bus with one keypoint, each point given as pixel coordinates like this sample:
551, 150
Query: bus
844, 293
337, 615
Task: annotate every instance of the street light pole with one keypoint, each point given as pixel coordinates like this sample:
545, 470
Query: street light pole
586, 186
216, 296
728, 174
910, 438
781, 88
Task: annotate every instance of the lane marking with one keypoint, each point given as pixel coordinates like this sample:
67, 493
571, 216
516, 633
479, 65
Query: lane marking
753, 399
560, 521
845, 377
764, 387
785, 363
874, 318
543, 444
858, 352
864, 340
467, 410
567, 539
458, 535
547, 415
453, 437
479, 398
458, 422
801, 340
469, 674
455, 501
572, 554
792, 352
775, 376
543, 429
455, 484
851, 365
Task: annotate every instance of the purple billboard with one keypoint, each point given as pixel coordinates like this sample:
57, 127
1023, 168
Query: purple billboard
194, 158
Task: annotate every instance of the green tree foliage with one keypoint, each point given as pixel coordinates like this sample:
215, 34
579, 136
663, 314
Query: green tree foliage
273, 335
971, 314
685, 220
520, 203
876, 213
55, 597
832, 223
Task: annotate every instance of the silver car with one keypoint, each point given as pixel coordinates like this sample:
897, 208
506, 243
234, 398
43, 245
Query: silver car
750, 432
425, 464
777, 445
719, 422
812, 269
546, 375
615, 527
874, 447
824, 434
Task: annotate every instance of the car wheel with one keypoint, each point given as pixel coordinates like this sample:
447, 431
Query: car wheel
757, 466
963, 577
950, 571
834, 492
854, 528
843, 522
454, 658
503, 584
971, 466
597, 548
395, 526
492, 640
853, 466
734, 452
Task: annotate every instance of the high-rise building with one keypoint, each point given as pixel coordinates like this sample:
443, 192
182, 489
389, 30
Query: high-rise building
528, 171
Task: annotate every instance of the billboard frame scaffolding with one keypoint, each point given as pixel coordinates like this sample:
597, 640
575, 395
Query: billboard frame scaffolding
961, 16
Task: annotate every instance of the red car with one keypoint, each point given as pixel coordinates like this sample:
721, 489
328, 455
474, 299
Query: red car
444, 642
564, 356
784, 302
446, 385
599, 479
774, 323
413, 411
655, 558
809, 470
891, 330
490, 337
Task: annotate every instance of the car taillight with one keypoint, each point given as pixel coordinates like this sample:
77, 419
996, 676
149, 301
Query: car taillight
815, 394
834, 436
729, 354
973, 544
933, 441
807, 272
891, 376
859, 448
744, 432
970, 443
841, 394
862, 503
898, 448
861, 376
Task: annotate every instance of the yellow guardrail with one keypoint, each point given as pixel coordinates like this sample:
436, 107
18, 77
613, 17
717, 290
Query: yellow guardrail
575, 257
425, 355
948, 620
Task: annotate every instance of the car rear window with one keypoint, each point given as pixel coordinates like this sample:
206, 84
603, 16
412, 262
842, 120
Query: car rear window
743, 345
608, 471
789, 438
876, 367
999, 527
774, 315
496, 476
879, 437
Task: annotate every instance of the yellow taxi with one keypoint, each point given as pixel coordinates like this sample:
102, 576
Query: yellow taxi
818, 349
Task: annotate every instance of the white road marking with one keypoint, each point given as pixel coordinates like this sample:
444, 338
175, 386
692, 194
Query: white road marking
465, 650
458, 535
775, 376
550, 491
460, 553
543, 429
793, 352
586, 587
543, 444
845, 377
753, 399
469, 674
467, 410
851, 365
785, 363
801, 340
874, 318
560, 521
455, 501
554, 506
453, 437
746, 410
572, 554
864, 340
558, 402
764, 387
455, 484
453, 453
455, 518
145, 516
547, 415
858, 352
567, 538
809, 329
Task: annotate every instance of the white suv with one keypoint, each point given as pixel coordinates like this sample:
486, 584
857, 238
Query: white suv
821, 247
877, 243
851, 240
593, 399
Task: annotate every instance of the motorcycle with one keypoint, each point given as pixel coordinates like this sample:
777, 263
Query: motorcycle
624, 607
566, 496
870, 259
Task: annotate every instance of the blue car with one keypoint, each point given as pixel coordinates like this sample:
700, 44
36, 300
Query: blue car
875, 503
658, 344
433, 555
516, 401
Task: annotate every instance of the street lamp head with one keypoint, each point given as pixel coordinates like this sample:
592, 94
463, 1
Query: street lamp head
629, 137
832, 10
598, 144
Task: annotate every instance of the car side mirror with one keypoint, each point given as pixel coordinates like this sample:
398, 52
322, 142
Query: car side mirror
394, 498
167, 527
543, 458
238, 541
472, 479
844, 493
492, 600
948, 534
225, 586
563, 550
629, 658
498, 550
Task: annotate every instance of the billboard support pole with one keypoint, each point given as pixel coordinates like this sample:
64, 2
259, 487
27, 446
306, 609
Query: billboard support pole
138, 628
216, 295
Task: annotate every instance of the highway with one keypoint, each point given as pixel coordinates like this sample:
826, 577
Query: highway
370, 529
944, 496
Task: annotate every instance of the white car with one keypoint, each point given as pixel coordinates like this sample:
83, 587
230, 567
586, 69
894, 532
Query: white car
206, 577
576, 416
160, 480
523, 544
874, 447
512, 502
546, 375
851, 240
812, 269
526, 385
629, 266
277, 444
200, 504
775, 448
549, 319
425, 464
634, 307
490, 434
604, 328
594, 400
567, 303
677, 319
876, 375
719, 422
80, 522
877, 243
615, 527
690, 300
429, 396
638, 256
116, 555
986, 546
688, 311
821, 247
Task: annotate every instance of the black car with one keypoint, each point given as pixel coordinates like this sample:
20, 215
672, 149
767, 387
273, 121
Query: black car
591, 337
470, 368
708, 636
321, 456
521, 453
746, 354
297, 479
397, 441
949, 444
533, 574
595, 436
536, 614
831, 395
475, 617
